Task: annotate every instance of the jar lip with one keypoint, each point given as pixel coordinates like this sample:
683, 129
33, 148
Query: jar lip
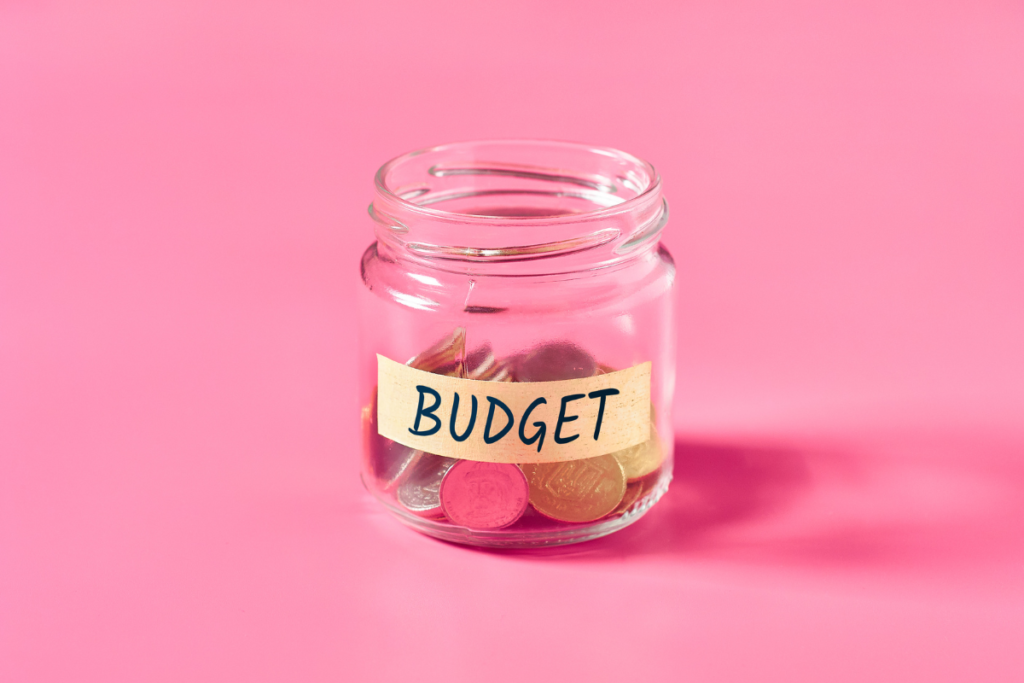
652, 190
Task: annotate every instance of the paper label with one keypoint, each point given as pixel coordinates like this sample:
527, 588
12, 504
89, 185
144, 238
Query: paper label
513, 422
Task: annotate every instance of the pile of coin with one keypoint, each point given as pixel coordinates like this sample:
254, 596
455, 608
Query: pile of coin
489, 496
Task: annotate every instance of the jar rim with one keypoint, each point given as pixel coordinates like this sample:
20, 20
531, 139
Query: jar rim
646, 194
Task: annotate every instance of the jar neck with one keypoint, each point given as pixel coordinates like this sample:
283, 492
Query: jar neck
517, 207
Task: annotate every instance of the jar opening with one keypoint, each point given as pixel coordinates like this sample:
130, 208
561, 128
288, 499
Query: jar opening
516, 200
516, 179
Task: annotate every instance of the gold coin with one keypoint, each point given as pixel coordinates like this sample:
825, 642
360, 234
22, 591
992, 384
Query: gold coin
640, 460
577, 490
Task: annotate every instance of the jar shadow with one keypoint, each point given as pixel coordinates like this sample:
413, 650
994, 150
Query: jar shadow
820, 507
714, 486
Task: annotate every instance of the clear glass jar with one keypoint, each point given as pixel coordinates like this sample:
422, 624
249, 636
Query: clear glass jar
505, 262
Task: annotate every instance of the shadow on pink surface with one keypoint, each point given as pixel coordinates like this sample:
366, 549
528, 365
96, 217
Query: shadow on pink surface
865, 508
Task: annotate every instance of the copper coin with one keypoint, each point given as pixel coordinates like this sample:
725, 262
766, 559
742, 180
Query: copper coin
556, 361
484, 495
577, 490
634, 490
640, 460
445, 357
420, 490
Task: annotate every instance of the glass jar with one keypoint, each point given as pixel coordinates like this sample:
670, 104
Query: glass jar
518, 345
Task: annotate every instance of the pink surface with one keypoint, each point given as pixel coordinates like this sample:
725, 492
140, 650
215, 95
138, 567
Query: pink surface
182, 205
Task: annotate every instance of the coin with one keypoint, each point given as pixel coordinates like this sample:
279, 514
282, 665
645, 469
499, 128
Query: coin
444, 357
484, 495
576, 490
634, 490
642, 459
419, 492
482, 365
387, 460
390, 460
555, 361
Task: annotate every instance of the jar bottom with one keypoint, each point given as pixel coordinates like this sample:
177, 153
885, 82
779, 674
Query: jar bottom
521, 535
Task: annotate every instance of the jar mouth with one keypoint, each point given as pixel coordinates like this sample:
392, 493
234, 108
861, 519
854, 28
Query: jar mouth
522, 182
498, 201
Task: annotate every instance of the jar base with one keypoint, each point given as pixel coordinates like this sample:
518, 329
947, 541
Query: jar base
522, 538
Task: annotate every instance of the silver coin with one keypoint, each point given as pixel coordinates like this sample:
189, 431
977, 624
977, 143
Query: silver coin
482, 365
555, 361
419, 492
387, 460
445, 357
391, 461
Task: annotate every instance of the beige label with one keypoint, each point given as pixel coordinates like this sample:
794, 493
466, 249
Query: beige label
517, 422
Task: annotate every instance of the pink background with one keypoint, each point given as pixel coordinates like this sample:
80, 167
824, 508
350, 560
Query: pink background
182, 207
